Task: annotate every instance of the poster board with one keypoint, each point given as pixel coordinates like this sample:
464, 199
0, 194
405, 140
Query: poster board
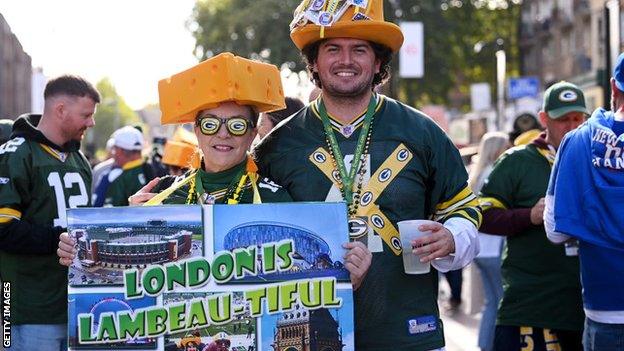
244, 277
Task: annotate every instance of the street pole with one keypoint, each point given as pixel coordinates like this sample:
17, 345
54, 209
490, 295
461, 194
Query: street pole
501, 62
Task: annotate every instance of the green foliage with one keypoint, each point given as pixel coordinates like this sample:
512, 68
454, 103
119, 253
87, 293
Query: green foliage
112, 113
259, 30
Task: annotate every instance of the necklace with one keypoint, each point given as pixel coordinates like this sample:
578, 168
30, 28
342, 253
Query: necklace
234, 191
358, 165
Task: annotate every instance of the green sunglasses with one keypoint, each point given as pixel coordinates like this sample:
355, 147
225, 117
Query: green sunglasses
237, 125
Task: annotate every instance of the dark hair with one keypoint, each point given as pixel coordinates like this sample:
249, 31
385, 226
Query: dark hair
383, 53
292, 105
72, 86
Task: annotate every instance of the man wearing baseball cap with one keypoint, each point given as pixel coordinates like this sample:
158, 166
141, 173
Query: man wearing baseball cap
130, 172
584, 203
388, 161
542, 294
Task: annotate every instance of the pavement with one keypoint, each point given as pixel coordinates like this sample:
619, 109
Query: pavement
461, 331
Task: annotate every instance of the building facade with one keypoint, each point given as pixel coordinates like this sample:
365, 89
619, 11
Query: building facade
15, 75
569, 40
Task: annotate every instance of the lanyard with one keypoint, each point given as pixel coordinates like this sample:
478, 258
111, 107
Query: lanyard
347, 179
240, 178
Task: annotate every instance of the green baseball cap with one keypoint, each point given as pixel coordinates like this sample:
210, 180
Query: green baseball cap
562, 98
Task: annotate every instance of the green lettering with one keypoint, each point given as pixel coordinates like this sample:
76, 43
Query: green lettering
245, 261
287, 291
310, 299
156, 321
285, 251
272, 299
176, 274
197, 315
107, 327
153, 280
268, 258
255, 297
131, 284
85, 325
329, 293
223, 267
220, 308
131, 327
176, 317
198, 272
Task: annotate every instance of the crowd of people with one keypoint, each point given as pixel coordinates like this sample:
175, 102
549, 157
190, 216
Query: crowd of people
388, 161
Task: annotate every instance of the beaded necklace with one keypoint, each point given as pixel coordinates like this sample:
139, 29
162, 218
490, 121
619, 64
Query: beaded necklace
358, 165
234, 191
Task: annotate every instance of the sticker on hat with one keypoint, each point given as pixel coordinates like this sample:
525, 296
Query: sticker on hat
568, 96
325, 18
317, 5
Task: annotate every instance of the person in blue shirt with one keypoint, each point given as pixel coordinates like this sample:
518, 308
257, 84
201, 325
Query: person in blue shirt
583, 204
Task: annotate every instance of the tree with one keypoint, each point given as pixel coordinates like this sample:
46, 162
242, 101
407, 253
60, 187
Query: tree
112, 113
260, 30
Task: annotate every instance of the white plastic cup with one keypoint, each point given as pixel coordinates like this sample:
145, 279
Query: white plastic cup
408, 230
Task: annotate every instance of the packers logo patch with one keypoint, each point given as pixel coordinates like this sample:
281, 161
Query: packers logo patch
357, 227
336, 176
366, 199
396, 243
377, 221
385, 175
568, 96
319, 157
403, 155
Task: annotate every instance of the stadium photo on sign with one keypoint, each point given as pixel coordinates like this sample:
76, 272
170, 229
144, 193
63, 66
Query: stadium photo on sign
237, 334
111, 240
100, 304
316, 244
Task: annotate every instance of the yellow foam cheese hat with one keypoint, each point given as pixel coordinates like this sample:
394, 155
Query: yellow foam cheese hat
222, 78
359, 22
182, 150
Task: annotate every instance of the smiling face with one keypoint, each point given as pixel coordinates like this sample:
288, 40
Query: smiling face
77, 115
346, 67
223, 150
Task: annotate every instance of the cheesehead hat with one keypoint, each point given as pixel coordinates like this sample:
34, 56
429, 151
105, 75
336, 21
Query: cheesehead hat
222, 78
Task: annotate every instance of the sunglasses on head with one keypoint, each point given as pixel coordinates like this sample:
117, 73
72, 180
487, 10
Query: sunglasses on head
236, 125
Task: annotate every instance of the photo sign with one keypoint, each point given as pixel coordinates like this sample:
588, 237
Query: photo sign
215, 278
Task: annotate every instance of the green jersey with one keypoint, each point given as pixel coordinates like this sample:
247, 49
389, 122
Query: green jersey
39, 181
217, 185
541, 284
412, 171
132, 178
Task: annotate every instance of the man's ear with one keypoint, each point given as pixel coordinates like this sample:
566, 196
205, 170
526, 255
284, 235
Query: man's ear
543, 118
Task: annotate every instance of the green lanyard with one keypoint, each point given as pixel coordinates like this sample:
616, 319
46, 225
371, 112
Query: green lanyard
199, 187
347, 179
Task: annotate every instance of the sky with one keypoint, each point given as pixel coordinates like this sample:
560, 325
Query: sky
134, 43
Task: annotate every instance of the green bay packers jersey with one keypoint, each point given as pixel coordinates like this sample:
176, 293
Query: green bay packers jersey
38, 183
412, 171
541, 284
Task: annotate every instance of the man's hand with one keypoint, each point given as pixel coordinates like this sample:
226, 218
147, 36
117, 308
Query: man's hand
438, 244
66, 251
357, 261
537, 212
144, 194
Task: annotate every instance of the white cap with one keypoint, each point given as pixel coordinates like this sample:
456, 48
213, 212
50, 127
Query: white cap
128, 138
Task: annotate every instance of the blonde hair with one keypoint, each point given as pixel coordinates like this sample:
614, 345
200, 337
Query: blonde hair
492, 145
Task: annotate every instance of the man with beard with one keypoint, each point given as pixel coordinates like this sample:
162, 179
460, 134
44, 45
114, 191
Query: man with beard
42, 173
397, 165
